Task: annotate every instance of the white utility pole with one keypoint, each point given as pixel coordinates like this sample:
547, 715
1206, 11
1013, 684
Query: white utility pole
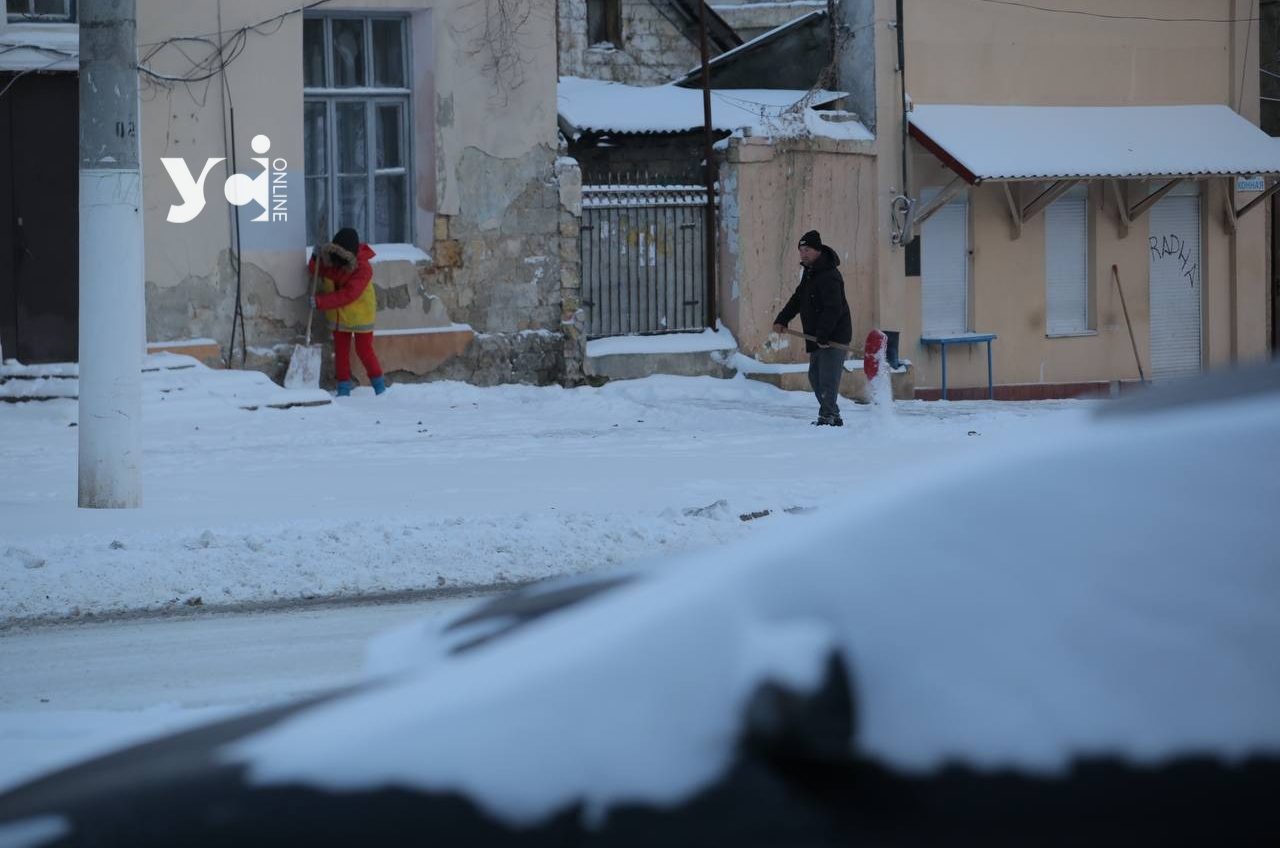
112, 303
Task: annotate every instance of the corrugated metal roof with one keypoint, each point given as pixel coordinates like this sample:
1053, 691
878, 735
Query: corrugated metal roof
1056, 142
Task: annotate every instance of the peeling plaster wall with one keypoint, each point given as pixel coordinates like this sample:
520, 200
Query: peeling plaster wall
653, 50
487, 202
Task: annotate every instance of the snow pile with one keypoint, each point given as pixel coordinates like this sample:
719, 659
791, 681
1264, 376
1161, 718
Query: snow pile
1123, 611
880, 387
719, 339
429, 486
398, 253
839, 125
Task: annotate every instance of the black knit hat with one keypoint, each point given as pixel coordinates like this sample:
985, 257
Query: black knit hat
811, 239
347, 239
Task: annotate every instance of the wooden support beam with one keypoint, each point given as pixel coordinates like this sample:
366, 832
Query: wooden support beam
943, 197
1229, 202
1272, 189
1139, 209
1046, 197
1011, 195
1122, 207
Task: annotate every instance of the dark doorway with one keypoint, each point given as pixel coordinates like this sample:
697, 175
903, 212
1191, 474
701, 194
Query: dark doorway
39, 217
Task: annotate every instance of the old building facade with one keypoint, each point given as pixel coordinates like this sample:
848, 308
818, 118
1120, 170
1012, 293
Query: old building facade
1028, 255
638, 42
420, 124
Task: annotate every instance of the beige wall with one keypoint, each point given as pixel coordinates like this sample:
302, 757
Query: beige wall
482, 149
773, 195
969, 51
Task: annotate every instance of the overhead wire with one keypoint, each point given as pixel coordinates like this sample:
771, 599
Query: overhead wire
1116, 17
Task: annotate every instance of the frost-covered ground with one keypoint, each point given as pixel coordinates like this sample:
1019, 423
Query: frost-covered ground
1069, 592
438, 485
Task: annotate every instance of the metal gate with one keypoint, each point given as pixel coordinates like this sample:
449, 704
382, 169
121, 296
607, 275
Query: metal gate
643, 258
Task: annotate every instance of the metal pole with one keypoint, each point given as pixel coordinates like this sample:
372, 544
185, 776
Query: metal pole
710, 221
112, 304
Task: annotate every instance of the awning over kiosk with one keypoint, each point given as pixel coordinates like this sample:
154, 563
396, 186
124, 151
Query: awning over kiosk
1063, 145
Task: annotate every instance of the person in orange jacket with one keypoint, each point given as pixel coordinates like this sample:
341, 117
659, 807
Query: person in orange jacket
350, 305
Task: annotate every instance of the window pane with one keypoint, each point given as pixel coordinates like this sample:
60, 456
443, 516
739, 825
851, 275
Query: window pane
57, 8
318, 228
316, 139
390, 225
348, 53
313, 53
390, 136
597, 24
388, 54
353, 155
353, 205
18, 7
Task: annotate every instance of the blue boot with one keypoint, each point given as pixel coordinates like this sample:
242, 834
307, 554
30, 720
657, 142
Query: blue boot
344, 388
379, 385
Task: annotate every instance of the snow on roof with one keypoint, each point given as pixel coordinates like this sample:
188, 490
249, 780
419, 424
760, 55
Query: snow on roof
39, 47
595, 105
1047, 142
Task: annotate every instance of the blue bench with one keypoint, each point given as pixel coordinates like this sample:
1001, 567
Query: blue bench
962, 338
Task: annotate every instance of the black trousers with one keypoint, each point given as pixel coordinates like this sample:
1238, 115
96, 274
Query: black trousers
826, 367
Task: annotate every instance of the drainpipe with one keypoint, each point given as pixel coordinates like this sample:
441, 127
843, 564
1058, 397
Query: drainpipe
709, 222
902, 82
112, 303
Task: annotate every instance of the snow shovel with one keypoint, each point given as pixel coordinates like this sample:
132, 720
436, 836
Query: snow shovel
304, 365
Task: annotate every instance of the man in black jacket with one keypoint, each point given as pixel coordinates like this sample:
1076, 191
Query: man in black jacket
824, 314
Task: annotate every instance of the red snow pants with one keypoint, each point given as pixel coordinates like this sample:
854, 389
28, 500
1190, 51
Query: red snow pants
364, 350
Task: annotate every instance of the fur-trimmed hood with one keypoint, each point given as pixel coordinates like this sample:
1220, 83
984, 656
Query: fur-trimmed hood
337, 256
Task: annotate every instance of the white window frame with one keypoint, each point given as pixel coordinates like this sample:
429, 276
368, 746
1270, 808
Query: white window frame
371, 97
31, 16
1068, 253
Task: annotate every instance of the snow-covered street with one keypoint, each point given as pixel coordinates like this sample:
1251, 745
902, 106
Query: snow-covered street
79, 689
441, 485
431, 487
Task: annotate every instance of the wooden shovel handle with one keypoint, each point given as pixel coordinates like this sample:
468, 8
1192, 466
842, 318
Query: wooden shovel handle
837, 345
315, 276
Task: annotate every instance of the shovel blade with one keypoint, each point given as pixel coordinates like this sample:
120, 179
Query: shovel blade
304, 368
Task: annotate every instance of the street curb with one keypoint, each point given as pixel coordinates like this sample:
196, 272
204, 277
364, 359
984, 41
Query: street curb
402, 596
